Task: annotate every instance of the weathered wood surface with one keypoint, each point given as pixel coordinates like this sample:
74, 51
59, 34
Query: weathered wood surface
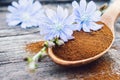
12, 52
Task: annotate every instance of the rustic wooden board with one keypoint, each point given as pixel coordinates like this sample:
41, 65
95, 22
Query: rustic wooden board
12, 52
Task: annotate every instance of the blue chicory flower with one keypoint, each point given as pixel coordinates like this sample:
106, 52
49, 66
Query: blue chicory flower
27, 13
57, 25
86, 16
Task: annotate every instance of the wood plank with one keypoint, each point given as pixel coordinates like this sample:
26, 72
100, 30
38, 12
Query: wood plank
102, 69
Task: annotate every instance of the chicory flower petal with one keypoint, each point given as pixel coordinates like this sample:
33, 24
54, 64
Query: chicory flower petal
86, 16
57, 24
26, 13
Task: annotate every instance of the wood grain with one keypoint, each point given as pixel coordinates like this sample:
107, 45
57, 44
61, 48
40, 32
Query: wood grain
12, 52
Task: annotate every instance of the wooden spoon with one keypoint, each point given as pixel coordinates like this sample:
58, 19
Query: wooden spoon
108, 18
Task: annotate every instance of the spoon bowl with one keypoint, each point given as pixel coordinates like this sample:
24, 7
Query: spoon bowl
108, 18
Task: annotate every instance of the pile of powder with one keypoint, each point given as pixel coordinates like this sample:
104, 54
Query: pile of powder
85, 45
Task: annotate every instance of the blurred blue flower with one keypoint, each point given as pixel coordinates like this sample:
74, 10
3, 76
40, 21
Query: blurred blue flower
28, 13
86, 16
57, 25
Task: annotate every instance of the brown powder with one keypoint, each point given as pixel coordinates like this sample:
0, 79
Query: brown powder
34, 47
85, 45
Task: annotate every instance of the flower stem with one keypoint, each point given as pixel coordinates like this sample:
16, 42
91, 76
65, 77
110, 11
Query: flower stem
40, 54
32, 61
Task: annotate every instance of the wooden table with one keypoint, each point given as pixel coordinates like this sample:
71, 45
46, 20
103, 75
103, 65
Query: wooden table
12, 51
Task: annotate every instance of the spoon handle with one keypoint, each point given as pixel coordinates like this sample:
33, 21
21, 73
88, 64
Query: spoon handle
111, 14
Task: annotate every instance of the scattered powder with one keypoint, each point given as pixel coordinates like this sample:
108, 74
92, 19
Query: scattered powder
35, 47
